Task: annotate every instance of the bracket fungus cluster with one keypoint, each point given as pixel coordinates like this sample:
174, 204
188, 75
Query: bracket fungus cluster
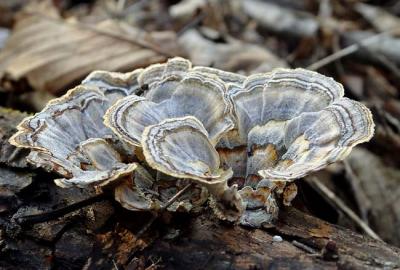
241, 141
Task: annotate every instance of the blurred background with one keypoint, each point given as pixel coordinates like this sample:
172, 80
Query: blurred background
47, 47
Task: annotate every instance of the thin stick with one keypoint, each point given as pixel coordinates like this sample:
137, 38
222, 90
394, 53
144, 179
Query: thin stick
153, 264
115, 265
342, 206
193, 23
176, 196
349, 50
360, 197
39, 218
303, 247
163, 208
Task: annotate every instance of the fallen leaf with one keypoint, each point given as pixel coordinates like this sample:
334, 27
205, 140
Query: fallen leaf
380, 186
53, 53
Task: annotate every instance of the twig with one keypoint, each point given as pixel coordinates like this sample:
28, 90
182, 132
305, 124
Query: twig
39, 218
360, 196
163, 208
349, 50
153, 264
304, 247
193, 23
115, 265
319, 186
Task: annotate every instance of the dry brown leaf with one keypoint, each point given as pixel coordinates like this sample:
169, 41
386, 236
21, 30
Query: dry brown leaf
379, 186
52, 53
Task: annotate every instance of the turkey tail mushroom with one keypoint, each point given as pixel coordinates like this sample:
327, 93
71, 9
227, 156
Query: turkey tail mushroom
314, 140
180, 147
197, 124
194, 95
69, 137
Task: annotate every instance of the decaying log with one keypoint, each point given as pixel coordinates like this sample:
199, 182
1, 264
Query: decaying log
308, 243
298, 241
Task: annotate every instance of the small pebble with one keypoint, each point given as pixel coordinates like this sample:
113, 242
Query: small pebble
277, 238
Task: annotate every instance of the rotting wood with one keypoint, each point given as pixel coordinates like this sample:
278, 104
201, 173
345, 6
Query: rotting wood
206, 244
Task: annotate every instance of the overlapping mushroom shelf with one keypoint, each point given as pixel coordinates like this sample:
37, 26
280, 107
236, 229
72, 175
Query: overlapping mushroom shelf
172, 124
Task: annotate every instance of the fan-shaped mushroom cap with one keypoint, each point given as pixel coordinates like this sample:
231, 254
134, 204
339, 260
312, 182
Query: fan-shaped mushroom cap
133, 199
194, 95
60, 139
131, 115
263, 104
114, 85
180, 147
291, 122
162, 79
228, 77
101, 164
281, 95
135, 196
315, 139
